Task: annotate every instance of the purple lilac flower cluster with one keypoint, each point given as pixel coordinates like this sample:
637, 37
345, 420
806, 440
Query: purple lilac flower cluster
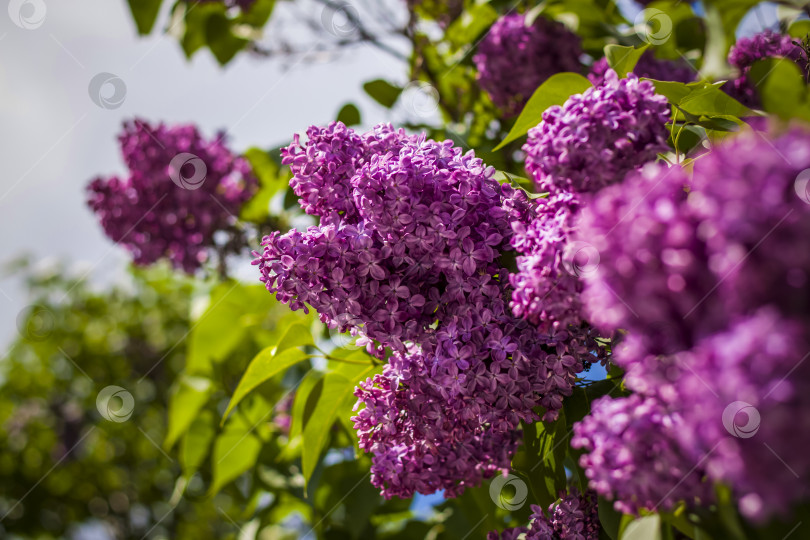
711, 282
747, 51
407, 256
410, 233
515, 58
588, 143
573, 517
153, 216
649, 67
597, 137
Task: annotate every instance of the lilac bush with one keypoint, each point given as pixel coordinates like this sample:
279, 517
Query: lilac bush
514, 58
597, 137
152, 212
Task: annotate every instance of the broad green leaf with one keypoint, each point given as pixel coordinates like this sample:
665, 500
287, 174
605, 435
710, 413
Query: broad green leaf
194, 36
336, 389
712, 101
306, 397
349, 114
265, 365
782, 88
673, 91
623, 59
258, 14
296, 335
799, 29
555, 91
190, 395
235, 451
644, 528
144, 13
609, 518
195, 443
221, 40
383, 92
271, 181
470, 25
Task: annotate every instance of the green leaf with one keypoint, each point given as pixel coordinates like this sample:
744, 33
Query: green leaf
336, 390
349, 114
235, 451
799, 29
555, 91
194, 36
219, 38
258, 14
609, 518
195, 443
306, 397
644, 528
673, 91
383, 92
623, 59
540, 459
265, 365
470, 25
190, 395
271, 181
782, 87
144, 13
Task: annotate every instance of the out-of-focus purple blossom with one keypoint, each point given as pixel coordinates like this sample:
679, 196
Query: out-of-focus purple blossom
747, 51
152, 216
649, 67
515, 58
677, 266
634, 456
507, 534
597, 137
708, 272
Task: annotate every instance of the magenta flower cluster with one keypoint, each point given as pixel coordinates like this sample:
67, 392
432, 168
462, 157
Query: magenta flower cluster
154, 216
573, 517
592, 141
515, 58
597, 137
407, 256
709, 275
747, 51
648, 67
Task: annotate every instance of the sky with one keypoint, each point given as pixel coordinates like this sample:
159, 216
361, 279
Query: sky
54, 138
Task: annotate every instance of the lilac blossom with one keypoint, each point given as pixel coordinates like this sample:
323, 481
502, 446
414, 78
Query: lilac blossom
515, 58
747, 51
152, 216
597, 137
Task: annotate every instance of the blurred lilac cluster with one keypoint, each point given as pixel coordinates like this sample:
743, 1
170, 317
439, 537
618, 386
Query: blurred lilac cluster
181, 189
709, 275
407, 256
515, 58
747, 51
